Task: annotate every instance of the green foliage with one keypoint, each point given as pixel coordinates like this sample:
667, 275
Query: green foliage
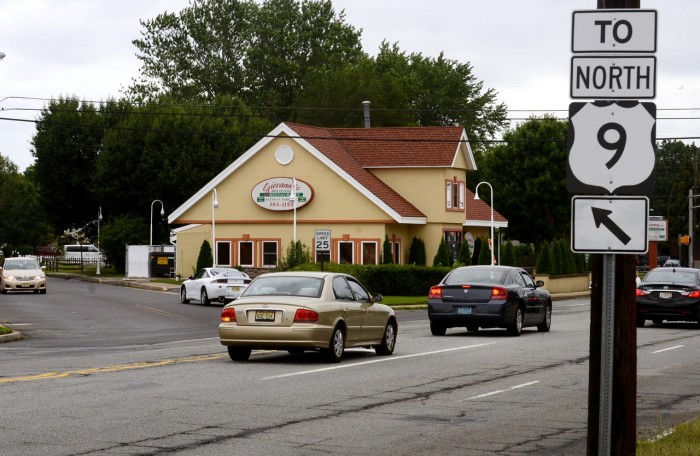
544, 259
387, 279
557, 260
297, 253
477, 251
484, 252
529, 173
465, 257
22, 218
442, 257
416, 253
205, 259
116, 234
387, 254
581, 265
508, 255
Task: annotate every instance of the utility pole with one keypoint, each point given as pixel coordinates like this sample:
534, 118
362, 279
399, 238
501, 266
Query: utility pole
623, 414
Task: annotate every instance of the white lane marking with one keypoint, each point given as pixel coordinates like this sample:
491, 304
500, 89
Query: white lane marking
380, 360
667, 349
523, 385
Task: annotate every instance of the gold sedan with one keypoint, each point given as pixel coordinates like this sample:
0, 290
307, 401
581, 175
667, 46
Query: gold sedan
298, 311
22, 274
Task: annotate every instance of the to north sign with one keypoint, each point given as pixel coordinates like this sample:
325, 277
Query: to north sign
614, 31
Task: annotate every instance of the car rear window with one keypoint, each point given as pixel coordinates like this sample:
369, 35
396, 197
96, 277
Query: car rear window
471, 275
286, 286
671, 276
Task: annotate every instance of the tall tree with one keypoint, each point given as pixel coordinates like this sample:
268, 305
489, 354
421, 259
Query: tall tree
528, 174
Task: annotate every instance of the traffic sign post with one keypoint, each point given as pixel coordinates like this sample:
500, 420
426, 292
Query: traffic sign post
613, 77
322, 245
614, 31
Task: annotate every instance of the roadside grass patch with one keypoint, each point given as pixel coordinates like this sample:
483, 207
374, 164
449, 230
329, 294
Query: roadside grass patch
4, 330
683, 441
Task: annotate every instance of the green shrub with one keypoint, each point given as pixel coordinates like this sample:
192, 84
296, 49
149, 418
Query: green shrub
544, 259
205, 258
442, 257
465, 257
297, 253
508, 256
387, 254
484, 253
416, 253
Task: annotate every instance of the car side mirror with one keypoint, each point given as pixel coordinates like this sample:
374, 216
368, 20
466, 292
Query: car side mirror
539, 283
377, 297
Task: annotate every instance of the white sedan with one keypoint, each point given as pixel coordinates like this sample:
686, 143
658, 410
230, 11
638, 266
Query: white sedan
214, 284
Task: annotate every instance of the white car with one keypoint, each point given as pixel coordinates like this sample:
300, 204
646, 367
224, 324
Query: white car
214, 284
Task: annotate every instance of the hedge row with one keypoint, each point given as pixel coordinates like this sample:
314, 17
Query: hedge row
387, 279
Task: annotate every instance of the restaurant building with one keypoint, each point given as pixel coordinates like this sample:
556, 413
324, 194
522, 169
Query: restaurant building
348, 188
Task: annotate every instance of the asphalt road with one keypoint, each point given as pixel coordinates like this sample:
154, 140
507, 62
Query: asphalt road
112, 371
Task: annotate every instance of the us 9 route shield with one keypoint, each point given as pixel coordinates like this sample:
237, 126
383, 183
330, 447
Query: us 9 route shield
612, 148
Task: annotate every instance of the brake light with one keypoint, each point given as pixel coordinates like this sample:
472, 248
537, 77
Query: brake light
228, 315
695, 294
305, 316
219, 281
435, 292
639, 292
499, 293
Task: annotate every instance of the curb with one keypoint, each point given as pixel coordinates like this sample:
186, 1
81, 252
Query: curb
14, 335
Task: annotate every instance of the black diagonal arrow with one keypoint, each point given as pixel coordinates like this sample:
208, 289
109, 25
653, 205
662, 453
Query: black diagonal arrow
602, 217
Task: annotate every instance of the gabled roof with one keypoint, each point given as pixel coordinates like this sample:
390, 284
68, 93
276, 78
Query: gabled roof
479, 213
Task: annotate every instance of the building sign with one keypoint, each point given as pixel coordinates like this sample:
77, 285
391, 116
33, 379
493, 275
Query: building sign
658, 230
275, 194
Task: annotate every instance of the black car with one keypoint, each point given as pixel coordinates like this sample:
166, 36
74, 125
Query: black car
669, 294
489, 297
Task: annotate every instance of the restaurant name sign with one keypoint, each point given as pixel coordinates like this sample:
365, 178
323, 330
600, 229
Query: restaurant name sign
276, 194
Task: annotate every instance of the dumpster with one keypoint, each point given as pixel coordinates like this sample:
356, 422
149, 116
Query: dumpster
162, 264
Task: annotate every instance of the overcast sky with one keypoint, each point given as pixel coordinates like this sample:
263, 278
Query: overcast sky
520, 48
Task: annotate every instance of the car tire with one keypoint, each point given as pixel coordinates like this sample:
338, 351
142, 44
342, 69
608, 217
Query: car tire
388, 344
42, 291
516, 328
204, 297
640, 322
547, 323
472, 328
437, 329
336, 346
239, 353
183, 295
3, 291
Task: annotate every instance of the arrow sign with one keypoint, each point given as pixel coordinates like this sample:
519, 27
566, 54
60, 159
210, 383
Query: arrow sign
609, 224
602, 217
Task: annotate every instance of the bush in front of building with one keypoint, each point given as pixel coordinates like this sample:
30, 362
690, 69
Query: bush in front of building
484, 253
465, 256
442, 257
387, 255
387, 279
544, 259
205, 258
508, 256
416, 253
297, 253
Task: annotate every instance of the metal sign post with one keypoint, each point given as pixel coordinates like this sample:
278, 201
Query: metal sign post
606, 358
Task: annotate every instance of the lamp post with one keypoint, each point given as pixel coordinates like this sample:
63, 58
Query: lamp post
162, 213
293, 197
99, 252
214, 205
476, 197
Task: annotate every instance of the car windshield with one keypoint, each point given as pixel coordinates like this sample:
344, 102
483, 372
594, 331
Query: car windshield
671, 276
20, 264
286, 286
471, 275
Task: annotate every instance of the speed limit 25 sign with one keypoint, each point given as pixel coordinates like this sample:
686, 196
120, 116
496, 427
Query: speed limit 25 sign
322, 240
612, 148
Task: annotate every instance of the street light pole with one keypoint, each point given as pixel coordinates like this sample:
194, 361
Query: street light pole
214, 205
99, 252
476, 196
162, 212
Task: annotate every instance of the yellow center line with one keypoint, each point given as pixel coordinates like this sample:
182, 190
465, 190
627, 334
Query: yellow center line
117, 368
151, 309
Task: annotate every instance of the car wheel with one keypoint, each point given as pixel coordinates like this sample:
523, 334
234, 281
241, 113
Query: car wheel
640, 322
42, 291
239, 353
183, 295
204, 297
3, 291
437, 330
472, 328
336, 346
547, 322
388, 341
516, 328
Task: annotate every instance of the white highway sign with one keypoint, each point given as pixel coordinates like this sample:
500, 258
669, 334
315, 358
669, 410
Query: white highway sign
612, 225
614, 30
613, 77
612, 148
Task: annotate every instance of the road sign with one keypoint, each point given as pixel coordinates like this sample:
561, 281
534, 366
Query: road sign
614, 30
322, 240
613, 77
612, 148
613, 224
658, 230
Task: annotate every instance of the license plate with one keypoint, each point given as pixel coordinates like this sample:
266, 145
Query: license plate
26, 285
464, 310
234, 288
264, 315
665, 295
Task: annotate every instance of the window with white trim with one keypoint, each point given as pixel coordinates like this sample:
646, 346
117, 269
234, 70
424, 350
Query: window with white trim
346, 252
455, 195
369, 252
223, 253
269, 253
245, 253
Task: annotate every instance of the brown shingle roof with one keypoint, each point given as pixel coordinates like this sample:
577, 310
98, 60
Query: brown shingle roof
480, 209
